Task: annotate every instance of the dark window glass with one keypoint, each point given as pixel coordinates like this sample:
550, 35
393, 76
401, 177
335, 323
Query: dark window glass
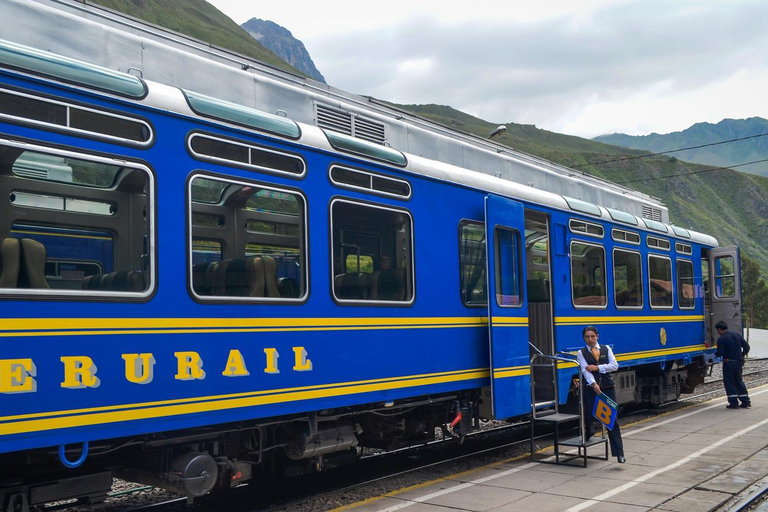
276, 161
508, 291
220, 149
391, 186
372, 253
685, 289
33, 109
627, 279
108, 125
348, 177
472, 264
660, 281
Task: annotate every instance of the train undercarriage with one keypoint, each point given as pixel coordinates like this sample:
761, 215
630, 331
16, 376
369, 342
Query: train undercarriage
198, 461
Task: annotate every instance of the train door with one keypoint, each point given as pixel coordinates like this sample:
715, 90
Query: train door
539, 299
507, 307
724, 290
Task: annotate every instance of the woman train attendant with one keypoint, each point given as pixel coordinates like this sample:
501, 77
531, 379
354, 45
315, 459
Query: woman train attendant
597, 362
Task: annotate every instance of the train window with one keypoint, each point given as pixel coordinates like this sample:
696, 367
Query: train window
356, 179
656, 226
76, 236
261, 256
243, 116
48, 113
72, 70
583, 206
684, 233
586, 228
372, 253
472, 263
685, 289
621, 216
683, 248
627, 279
629, 237
725, 277
660, 281
588, 275
507, 271
245, 155
658, 243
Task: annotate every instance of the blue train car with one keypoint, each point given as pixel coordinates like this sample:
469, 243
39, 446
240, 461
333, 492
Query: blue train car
194, 287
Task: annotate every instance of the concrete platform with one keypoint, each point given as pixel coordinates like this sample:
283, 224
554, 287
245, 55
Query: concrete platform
694, 460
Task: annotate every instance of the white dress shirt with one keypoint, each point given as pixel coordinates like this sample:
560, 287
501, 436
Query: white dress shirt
612, 365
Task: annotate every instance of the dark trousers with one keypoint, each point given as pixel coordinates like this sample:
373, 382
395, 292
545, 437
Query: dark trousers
614, 436
734, 386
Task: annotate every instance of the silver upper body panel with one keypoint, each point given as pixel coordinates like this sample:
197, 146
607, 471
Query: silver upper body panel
168, 61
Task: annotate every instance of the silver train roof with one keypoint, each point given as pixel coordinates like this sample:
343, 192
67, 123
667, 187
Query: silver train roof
115, 41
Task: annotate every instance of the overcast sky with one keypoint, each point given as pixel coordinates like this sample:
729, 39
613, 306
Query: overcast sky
585, 67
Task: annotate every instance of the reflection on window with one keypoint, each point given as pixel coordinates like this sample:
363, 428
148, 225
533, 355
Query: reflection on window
660, 281
627, 279
685, 290
507, 267
472, 263
588, 275
264, 259
372, 253
87, 224
725, 278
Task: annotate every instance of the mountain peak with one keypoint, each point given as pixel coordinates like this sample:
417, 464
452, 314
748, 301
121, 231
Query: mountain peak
279, 40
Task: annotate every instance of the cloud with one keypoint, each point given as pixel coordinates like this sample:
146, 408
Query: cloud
627, 66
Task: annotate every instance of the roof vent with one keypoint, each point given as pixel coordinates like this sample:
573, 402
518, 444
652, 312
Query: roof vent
349, 124
649, 212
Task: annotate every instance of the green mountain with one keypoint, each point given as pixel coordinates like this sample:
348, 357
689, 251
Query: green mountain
707, 134
727, 204
201, 20
730, 205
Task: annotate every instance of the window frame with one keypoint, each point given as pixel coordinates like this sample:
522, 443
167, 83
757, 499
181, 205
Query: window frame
570, 273
241, 165
678, 283
717, 277
642, 277
658, 240
520, 272
371, 175
672, 280
87, 294
587, 224
219, 299
78, 132
624, 240
332, 244
462, 223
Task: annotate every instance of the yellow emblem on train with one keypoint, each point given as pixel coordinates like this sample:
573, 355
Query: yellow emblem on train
663, 336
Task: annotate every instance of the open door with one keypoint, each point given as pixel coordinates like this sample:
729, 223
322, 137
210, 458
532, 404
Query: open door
507, 307
725, 289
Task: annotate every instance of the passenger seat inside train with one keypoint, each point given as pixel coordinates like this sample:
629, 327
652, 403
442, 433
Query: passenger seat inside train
23, 263
250, 276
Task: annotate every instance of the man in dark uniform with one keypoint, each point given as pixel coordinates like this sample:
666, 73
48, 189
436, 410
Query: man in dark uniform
733, 349
597, 362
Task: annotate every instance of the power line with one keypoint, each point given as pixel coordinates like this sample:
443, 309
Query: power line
690, 173
670, 151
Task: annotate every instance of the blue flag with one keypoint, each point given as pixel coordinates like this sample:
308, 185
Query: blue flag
606, 410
